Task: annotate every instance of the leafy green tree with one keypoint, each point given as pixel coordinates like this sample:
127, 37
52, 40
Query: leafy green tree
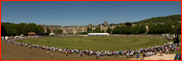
143, 29
31, 27
116, 25
90, 25
23, 29
175, 29
18, 29
115, 31
112, 24
137, 29
99, 25
89, 29
173, 18
98, 29
120, 24
123, 29
9, 27
108, 30
167, 28
48, 30
3, 31
12, 32
152, 29
40, 29
179, 30
55, 31
60, 31
84, 33
102, 31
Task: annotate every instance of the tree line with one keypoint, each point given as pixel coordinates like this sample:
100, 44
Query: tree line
172, 18
156, 25
153, 28
160, 28
167, 27
58, 31
12, 29
129, 29
118, 29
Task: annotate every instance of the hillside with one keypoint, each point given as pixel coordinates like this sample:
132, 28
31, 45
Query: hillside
173, 18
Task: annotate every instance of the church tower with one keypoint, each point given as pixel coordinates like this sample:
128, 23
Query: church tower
105, 23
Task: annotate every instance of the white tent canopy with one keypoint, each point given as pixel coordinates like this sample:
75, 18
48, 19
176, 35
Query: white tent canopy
166, 34
162, 34
99, 34
6, 37
21, 35
16, 36
52, 34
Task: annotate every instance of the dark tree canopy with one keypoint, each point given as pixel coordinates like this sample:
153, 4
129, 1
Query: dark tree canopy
102, 31
89, 29
128, 24
58, 31
48, 30
98, 29
173, 18
11, 29
3, 31
108, 30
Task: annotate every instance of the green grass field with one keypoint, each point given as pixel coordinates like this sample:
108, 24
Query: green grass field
114, 43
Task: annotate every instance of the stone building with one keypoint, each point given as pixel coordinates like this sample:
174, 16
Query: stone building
76, 29
105, 26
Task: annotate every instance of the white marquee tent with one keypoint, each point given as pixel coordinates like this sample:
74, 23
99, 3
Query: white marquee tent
6, 37
107, 34
17, 37
52, 34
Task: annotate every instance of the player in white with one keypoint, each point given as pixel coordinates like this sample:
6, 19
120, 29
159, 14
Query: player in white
105, 53
167, 51
131, 54
127, 54
122, 52
139, 51
52, 55
47, 52
146, 54
91, 53
77, 51
54, 50
97, 55
72, 51
59, 50
153, 53
81, 54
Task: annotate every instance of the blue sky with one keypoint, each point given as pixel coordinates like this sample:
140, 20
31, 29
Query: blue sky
67, 13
